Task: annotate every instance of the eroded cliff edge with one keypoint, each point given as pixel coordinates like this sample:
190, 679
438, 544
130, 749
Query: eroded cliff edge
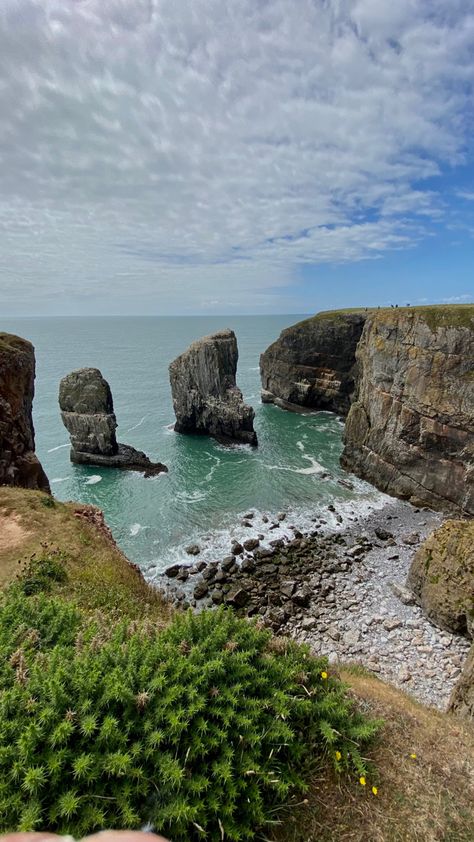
19, 464
313, 363
410, 429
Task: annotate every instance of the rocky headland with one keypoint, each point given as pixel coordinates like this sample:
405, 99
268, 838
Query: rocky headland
206, 398
405, 379
19, 464
313, 363
87, 412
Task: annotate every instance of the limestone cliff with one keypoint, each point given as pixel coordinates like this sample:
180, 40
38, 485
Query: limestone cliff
87, 412
410, 429
18, 463
206, 399
312, 364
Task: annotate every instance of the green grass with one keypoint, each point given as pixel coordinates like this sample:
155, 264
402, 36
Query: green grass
435, 315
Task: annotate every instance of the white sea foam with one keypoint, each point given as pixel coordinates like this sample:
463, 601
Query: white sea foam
59, 447
138, 425
95, 478
217, 544
300, 445
191, 496
135, 529
59, 479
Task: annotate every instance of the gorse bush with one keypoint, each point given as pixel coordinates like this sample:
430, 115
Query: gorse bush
202, 730
42, 571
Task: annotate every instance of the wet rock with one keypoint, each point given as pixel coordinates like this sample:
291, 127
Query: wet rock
173, 571
251, 544
193, 549
237, 597
201, 590
237, 549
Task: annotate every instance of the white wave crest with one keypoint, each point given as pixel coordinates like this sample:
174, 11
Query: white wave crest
93, 480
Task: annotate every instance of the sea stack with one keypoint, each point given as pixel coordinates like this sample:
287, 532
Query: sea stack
18, 463
206, 398
87, 411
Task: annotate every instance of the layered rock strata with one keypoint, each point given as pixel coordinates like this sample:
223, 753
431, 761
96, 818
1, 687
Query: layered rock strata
18, 463
410, 429
312, 364
206, 398
87, 412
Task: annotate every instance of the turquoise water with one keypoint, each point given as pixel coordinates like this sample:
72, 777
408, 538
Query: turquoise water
295, 468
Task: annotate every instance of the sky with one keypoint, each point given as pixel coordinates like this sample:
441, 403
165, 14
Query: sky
235, 156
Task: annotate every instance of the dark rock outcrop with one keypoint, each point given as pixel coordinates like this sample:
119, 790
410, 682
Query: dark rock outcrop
87, 412
18, 463
206, 399
462, 697
410, 429
312, 364
442, 577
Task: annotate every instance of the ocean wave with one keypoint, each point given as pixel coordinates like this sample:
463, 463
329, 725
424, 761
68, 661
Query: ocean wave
135, 529
59, 447
138, 425
93, 480
59, 479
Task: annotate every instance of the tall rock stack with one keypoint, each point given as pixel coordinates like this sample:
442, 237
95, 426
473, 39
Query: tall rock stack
87, 412
18, 463
206, 398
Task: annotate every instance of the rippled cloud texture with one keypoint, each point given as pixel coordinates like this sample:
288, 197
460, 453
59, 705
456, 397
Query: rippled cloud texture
170, 156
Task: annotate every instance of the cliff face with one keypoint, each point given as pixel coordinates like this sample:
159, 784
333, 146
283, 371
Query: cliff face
18, 463
206, 399
312, 364
410, 429
87, 411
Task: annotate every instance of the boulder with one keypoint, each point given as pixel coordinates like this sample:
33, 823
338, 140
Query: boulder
206, 398
442, 577
19, 464
87, 412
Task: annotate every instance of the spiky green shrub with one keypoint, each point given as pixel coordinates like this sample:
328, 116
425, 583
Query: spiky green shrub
202, 730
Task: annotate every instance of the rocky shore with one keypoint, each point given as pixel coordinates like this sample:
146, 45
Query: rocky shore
341, 591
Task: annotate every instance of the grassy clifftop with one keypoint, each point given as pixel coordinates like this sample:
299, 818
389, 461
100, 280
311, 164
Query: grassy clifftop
435, 315
423, 760
33, 526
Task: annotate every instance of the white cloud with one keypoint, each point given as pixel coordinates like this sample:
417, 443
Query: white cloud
172, 155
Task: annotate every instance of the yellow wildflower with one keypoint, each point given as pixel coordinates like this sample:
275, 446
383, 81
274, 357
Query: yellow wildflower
362, 781
413, 756
374, 790
324, 674
338, 755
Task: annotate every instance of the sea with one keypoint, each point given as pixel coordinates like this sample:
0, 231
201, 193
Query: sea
209, 488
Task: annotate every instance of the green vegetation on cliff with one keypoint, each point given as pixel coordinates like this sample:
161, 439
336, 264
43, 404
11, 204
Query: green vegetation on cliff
203, 729
435, 315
